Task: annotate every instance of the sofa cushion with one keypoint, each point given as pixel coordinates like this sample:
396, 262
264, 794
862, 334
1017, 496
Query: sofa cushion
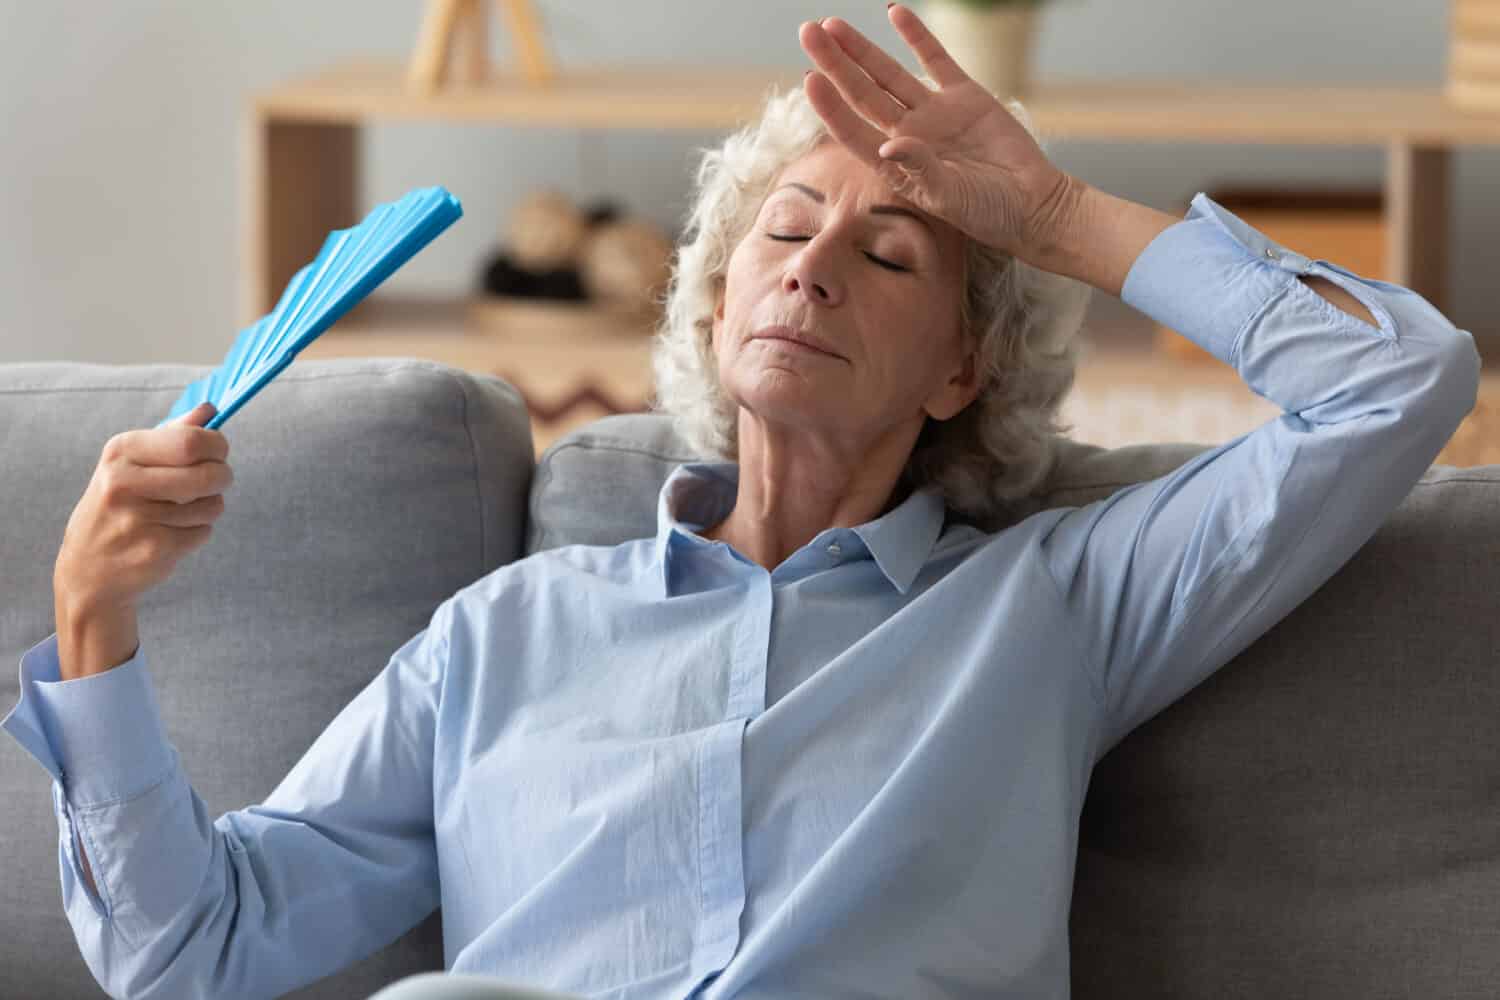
598, 485
1317, 818
366, 492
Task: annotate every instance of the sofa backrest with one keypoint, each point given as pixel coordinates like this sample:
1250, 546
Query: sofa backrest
366, 493
1319, 818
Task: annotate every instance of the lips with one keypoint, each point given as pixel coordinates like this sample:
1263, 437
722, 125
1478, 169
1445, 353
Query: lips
796, 336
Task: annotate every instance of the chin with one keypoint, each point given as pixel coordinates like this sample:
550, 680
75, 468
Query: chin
786, 397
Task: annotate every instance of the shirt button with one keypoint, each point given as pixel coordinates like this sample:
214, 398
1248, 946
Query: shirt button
833, 549
1270, 253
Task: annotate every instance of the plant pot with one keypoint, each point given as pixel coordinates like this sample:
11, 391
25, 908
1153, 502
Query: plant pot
992, 45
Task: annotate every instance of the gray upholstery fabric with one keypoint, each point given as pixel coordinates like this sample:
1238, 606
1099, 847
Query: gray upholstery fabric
1321, 818
599, 484
366, 492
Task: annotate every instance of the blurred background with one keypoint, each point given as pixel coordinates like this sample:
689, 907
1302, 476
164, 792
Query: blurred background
125, 181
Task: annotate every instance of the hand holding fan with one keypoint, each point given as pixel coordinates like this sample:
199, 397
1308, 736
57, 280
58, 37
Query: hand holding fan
350, 265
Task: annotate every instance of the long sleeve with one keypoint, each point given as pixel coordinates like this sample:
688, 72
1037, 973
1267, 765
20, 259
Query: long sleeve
1168, 580
338, 861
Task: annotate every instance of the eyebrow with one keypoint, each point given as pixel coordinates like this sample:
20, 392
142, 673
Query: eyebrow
817, 196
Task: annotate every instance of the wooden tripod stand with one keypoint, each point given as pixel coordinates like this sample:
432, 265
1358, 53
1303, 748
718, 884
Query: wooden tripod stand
464, 25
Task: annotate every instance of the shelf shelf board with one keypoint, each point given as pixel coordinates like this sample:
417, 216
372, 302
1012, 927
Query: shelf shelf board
685, 96
611, 97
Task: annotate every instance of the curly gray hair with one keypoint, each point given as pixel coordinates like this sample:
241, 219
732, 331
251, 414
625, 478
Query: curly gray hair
988, 459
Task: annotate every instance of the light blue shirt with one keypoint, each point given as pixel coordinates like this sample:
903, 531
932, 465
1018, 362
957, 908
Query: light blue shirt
658, 770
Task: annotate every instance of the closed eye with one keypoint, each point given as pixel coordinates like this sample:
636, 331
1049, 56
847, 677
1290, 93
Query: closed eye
883, 263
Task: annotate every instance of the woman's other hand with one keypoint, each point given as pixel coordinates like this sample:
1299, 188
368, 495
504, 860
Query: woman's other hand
954, 152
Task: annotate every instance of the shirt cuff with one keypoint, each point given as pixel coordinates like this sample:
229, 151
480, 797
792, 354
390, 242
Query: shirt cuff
1209, 275
101, 736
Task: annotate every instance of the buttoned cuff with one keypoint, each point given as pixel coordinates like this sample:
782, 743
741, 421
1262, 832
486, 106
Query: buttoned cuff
1208, 276
100, 736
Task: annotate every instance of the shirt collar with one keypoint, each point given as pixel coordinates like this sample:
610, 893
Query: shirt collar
699, 494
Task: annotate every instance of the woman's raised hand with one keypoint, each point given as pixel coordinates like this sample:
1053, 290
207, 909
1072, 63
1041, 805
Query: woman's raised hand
954, 152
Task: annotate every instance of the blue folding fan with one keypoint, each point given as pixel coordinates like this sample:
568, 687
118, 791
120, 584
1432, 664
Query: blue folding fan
350, 266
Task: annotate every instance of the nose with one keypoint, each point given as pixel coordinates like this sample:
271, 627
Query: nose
811, 272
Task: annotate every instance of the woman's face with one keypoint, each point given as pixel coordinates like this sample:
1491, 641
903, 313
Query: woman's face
878, 289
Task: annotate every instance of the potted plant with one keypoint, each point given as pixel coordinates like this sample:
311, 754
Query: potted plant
990, 39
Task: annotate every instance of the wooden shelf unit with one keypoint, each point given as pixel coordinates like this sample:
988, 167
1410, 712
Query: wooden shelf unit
304, 170
304, 167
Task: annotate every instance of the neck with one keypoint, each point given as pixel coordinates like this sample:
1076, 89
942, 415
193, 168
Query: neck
794, 484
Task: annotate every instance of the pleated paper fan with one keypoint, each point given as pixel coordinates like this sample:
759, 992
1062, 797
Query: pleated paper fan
352, 263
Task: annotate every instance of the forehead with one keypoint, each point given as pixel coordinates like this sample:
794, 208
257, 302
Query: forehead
832, 173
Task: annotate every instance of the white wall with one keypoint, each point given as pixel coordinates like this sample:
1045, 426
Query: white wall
120, 168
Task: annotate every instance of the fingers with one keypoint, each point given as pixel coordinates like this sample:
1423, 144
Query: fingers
174, 444
858, 135
198, 415
914, 157
858, 88
935, 59
171, 484
205, 510
874, 60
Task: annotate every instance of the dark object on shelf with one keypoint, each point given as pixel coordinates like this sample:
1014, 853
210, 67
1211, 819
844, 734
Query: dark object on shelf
1312, 200
503, 277
554, 252
601, 211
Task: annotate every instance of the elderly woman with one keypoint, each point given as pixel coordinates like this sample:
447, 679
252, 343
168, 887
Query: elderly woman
829, 731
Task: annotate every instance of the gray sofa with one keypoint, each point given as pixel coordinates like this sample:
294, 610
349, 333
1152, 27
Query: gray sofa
1321, 818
